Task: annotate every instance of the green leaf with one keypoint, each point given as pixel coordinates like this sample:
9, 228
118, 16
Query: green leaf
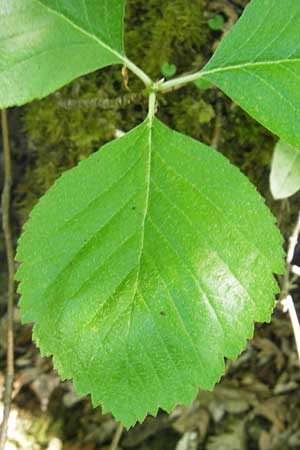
285, 171
216, 23
168, 70
146, 265
258, 65
45, 44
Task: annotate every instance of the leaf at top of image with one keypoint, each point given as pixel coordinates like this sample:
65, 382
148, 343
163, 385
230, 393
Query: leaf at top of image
285, 171
45, 44
146, 265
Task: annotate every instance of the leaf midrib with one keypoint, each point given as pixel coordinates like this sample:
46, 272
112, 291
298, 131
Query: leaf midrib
149, 125
233, 67
83, 31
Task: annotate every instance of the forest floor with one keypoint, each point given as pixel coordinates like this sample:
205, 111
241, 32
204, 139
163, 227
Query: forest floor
256, 406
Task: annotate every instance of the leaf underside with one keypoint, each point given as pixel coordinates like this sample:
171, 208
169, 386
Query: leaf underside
285, 171
258, 65
45, 44
146, 265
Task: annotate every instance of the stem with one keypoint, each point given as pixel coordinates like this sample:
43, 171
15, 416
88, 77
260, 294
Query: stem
286, 299
293, 240
288, 306
152, 107
117, 437
218, 127
5, 202
184, 79
179, 82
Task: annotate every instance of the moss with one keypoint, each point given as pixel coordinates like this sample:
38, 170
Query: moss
173, 31
248, 145
63, 129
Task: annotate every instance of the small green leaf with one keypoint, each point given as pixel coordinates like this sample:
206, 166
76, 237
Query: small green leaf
216, 23
144, 267
285, 171
168, 70
45, 44
258, 65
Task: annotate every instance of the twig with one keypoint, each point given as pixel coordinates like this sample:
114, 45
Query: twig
117, 437
5, 202
288, 284
288, 306
218, 127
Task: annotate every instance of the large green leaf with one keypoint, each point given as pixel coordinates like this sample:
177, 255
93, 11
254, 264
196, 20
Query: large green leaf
285, 171
45, 44
258, 65
144, 266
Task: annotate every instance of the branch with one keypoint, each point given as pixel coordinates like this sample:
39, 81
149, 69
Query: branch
288, 306
218, 127
286, 299
117, 437
5, 203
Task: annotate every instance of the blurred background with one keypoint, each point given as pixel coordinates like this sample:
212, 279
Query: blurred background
256, 406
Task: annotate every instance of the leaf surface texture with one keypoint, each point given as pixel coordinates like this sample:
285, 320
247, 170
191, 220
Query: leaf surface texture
258, 65
45, 44
144, 267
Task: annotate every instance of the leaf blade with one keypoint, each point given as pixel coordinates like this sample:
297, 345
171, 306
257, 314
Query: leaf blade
47, 51
254, 64
93, 19
149, 271
285, 171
